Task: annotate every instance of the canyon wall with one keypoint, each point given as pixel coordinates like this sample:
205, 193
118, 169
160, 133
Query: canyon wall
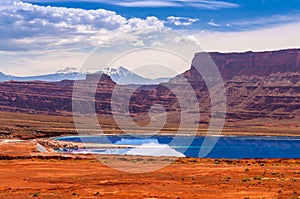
258, 85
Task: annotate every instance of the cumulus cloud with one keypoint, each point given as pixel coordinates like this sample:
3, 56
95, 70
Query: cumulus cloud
181, 21
24, 26
37, 39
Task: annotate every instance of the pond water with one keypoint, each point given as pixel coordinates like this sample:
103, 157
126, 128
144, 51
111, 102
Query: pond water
232, 147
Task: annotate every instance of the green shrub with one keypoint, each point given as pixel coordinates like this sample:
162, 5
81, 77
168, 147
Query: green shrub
217, 162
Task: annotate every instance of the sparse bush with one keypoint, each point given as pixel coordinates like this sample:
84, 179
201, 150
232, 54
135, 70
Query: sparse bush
293, 179
228, 178
274, 173
217, 162
257, 178
36, 194
246, 179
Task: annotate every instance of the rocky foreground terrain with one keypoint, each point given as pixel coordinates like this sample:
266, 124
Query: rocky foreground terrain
260, 86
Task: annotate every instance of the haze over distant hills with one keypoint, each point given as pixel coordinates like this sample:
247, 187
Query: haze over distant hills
119, 75
69, 73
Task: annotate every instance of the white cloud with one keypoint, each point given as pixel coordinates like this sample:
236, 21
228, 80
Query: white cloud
181, 21
146, 4
263, 22
210, 5
212, 23
36, 39
201, 4
270, 20
24, 26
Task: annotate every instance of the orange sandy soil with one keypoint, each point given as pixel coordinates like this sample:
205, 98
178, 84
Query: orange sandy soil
30, 126
26, 173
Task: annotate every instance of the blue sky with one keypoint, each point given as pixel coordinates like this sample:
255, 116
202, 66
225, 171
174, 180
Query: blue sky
42, 36
233, 15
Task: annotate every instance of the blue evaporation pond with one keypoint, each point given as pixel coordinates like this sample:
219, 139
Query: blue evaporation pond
233, 147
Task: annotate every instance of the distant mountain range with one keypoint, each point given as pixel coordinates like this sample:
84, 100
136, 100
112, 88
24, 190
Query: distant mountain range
119, 75
69, 73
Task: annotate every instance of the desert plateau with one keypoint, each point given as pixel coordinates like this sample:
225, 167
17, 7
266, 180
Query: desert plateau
263, 99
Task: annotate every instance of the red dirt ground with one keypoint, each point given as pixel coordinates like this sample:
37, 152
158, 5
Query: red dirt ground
27, 174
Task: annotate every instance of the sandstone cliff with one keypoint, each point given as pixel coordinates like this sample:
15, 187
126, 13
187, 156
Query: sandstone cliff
258, 85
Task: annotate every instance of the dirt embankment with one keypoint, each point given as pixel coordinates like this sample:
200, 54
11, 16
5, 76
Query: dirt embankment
31, 126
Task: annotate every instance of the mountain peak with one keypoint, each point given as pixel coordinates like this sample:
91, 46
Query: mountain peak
121, 75
119, 71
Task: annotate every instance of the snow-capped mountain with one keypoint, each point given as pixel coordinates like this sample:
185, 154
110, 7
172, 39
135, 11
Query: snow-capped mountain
119, 75
69, 73
4, 77
123, 76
